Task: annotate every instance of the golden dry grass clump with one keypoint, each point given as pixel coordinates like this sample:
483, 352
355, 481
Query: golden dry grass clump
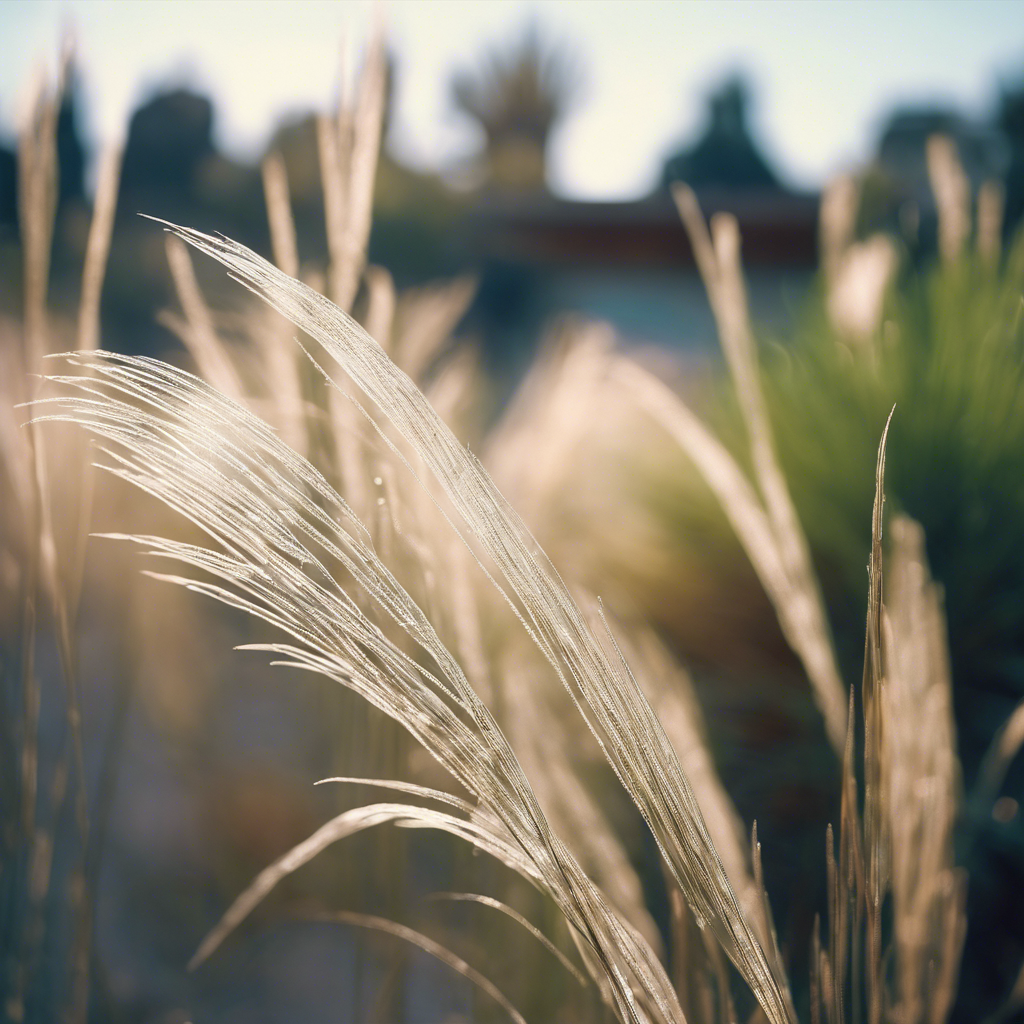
334, 498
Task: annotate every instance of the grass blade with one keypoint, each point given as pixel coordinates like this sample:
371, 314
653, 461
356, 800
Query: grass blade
504, 908
435, 949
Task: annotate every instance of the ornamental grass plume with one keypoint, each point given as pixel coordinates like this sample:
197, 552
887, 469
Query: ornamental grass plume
284, 540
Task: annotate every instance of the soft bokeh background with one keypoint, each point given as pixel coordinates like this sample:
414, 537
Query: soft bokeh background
824, 89
827, 76
529, 149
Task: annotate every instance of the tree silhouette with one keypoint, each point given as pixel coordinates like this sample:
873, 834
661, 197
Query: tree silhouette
517, 94
725, 155
1010, 119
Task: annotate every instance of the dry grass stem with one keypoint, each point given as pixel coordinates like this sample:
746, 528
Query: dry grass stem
98, 247
37, 196
380, 305
424, 319
366, 137
274, 338
670, 692
200, 336
428, 945
487, 901
739, 500
467, 627
346, 425
97, 250
991, 202
921, 784
56, 566
856, 292
896, 860
550, 415
837, 220
283, 240
334, 185
952, 193
1004, 748
795, 593
349, 148
542, 742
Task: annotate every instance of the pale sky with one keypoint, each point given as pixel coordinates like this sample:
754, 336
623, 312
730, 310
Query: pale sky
825, 73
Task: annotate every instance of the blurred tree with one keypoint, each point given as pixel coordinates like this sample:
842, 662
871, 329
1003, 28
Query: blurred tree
517, 94
70, 158
895, 187
70, 151
172, 169
168, 138
1010, 118
725, 155
8, 192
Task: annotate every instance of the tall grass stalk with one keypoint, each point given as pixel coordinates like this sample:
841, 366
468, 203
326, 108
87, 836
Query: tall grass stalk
46, 520
767, 525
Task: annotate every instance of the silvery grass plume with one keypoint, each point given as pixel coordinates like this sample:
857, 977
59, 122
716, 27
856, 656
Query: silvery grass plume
920, 782
857, 274
567, 390
284, 542
283, 537
407, 527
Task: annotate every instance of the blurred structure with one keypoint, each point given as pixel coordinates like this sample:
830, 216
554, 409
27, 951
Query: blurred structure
630, 262
535, 255
169, 140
